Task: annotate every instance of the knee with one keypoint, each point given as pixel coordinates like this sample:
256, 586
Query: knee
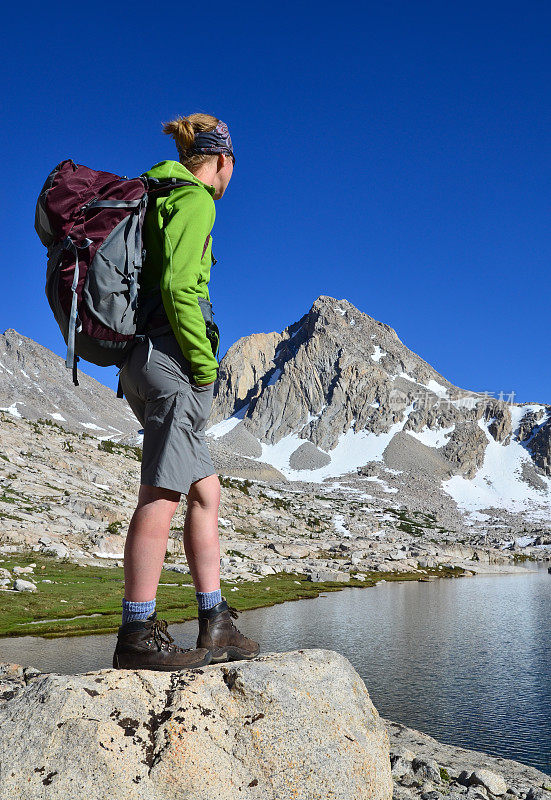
205, 493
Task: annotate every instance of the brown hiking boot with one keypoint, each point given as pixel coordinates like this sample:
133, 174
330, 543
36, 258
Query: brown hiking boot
219, 634
146, 644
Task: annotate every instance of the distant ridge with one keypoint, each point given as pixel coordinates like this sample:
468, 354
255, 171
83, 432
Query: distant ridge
35, 383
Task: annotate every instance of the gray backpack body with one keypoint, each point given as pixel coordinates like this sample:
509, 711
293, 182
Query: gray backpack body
91, 223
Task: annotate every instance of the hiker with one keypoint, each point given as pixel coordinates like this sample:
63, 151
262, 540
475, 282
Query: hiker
168, 380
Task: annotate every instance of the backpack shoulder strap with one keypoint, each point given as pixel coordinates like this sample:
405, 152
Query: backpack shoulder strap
161, 185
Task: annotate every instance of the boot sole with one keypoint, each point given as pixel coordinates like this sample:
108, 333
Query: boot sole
232, 654
161, 667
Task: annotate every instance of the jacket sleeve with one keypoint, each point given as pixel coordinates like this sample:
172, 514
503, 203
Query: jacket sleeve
188, 217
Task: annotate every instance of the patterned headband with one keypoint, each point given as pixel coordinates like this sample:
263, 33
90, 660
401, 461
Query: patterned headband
216, 141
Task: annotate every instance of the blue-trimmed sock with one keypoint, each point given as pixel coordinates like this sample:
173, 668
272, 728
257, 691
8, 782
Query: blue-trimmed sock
132, 610
208, 599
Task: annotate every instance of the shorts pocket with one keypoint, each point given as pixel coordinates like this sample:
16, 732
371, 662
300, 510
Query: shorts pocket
195, 405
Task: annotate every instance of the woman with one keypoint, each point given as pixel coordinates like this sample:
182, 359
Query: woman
168, 380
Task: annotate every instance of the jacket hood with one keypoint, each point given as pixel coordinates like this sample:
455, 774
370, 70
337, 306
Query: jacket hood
173, 169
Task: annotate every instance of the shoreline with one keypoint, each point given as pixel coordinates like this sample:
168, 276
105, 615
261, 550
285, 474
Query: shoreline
419, 759
64, 582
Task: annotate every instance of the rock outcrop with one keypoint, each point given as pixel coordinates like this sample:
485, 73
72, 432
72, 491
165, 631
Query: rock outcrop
287, 725
426, 768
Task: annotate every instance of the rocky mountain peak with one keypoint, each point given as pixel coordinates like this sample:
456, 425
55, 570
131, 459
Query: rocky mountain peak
338, 393
334, 368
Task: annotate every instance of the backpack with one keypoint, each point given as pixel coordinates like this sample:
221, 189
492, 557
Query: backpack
91, 223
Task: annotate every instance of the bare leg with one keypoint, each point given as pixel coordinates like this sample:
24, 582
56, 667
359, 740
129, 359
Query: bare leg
145, 547
201, 541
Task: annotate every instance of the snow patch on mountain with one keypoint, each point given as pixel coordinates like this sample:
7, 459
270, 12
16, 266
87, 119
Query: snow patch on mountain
338, 522
377, 353
519, 412
384, 486
353, 450
498, 483
437, 388
226, 425
433, 438
13, 408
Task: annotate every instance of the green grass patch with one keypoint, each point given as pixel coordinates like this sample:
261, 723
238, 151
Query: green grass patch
417, 526
51, 486
411, 528
5, 498
99, 590
51, 424
519, 558
237, 553
276, 502
242, 485
114, 527
117, 448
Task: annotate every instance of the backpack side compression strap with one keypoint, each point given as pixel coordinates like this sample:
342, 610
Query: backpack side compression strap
70, 361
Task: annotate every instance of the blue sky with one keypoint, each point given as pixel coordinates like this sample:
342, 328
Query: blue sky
395, 154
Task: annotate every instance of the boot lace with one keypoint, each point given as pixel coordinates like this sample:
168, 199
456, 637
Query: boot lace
163, 639
233, 613
241, 639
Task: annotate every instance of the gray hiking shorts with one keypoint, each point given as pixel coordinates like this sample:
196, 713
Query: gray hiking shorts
157, 381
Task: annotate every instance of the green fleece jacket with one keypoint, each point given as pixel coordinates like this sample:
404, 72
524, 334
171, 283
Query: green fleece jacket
176, 236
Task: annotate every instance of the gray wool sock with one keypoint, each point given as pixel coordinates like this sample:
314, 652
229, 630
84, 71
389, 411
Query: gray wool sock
208, 599
132, 610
